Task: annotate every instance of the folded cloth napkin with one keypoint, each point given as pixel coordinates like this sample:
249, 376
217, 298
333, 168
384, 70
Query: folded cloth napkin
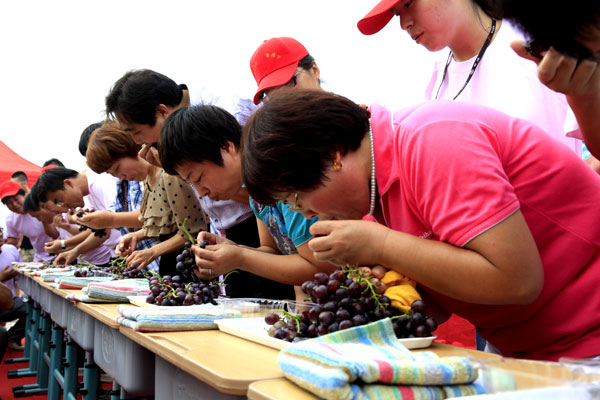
84, 298
119, 290
51, 271
365, 361
166, 319
78, 283
28, 265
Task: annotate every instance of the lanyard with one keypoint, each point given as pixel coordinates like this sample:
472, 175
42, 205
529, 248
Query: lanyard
475, 63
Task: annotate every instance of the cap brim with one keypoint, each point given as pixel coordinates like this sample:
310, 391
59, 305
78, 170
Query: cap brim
276, 78
377, 18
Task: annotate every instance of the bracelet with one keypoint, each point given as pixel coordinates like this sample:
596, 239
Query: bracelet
62, 245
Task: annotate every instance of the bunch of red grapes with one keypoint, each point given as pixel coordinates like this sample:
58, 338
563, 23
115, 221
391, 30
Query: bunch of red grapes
117, 268
97, 232
186, 263
345, 299
172, 291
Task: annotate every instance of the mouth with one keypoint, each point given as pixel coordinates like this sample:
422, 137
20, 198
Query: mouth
417, 38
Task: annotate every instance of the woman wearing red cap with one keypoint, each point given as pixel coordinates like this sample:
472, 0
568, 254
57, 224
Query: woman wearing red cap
283, 61
480, 66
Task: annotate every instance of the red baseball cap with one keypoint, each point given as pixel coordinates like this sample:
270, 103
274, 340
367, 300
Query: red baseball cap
377, 18
9, 188
274, 63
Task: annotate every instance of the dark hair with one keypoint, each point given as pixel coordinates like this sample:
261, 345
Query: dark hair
31, 202
53, 161
20, 175
135, 97
197, 134
108, 145
289, 144
307, 62
51, 180
85, 137
555, 24
20, 192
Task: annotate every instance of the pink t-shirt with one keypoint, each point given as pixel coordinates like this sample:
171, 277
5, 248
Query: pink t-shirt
8, 254
17, 224
449, 171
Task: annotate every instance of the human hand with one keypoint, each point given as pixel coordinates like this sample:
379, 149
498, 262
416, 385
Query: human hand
71, 217
126, 245
96, 220
212, 238
150, 154
60, 222
563, 73
215, 260
8, 274
52, 247
348, 242
140, 258
65, 258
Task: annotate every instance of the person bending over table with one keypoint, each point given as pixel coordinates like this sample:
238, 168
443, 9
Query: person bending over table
461, 194
167, 203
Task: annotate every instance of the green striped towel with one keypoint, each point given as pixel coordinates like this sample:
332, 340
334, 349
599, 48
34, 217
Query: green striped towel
118, 291
167, 319
368, 362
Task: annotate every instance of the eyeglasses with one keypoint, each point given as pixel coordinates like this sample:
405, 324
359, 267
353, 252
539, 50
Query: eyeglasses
296, 206
291, 83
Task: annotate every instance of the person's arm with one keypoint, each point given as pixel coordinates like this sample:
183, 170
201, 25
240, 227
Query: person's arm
265, 261
108, 219
6, 298
90, 242
128, 243
503, 261
579, 80
8, 274
141, 258
50, 230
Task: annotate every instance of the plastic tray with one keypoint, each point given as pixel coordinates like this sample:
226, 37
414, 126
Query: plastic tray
81, 328
251, 307
255, 329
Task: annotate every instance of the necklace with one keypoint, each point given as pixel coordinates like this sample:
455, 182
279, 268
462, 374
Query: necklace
373, 182
475, 63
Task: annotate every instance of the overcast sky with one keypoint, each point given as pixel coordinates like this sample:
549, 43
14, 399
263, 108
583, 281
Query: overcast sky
60, 58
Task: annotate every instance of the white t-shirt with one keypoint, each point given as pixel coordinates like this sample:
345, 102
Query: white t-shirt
97, 256
510, 84
8, 255
102, 193
25, 224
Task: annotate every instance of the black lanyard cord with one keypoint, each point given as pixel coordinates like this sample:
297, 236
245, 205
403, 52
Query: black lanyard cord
475, 63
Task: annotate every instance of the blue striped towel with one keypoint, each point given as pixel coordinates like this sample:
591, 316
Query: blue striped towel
368, 362
118, 291
166, 319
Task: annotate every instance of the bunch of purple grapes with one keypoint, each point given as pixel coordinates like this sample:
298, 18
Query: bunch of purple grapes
343, 301
186, 263
172, 291
97, 232
116, 268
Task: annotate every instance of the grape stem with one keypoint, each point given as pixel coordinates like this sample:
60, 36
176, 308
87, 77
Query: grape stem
187, 233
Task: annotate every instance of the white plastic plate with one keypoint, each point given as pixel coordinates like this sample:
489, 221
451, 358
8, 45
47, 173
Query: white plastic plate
255, 329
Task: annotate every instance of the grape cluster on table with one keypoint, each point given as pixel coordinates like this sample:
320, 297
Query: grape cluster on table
184, 289
343, 300
117, 269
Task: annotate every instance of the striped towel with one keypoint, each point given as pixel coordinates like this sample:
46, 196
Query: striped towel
64, 271
168, 319
368, 362
84, 298
118, 291
78, 283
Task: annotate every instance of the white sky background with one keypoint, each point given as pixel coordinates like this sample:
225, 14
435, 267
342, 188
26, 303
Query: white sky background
60, 58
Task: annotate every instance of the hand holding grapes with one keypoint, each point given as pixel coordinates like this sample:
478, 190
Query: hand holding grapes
95, 220
52, 247
140, 258
217, 259
348, 242
66, 258
126, 245
211, 238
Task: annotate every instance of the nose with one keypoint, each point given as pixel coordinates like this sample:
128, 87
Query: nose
309, 214
405, 21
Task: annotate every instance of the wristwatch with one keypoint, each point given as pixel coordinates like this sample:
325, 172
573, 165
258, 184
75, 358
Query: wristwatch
62, 245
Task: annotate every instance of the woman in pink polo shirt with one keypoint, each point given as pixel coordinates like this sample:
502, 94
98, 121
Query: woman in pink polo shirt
473, 204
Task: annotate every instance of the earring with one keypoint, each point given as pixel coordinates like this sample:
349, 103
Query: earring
336, 166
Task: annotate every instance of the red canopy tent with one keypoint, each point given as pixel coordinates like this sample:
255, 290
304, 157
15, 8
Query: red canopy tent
11, 162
